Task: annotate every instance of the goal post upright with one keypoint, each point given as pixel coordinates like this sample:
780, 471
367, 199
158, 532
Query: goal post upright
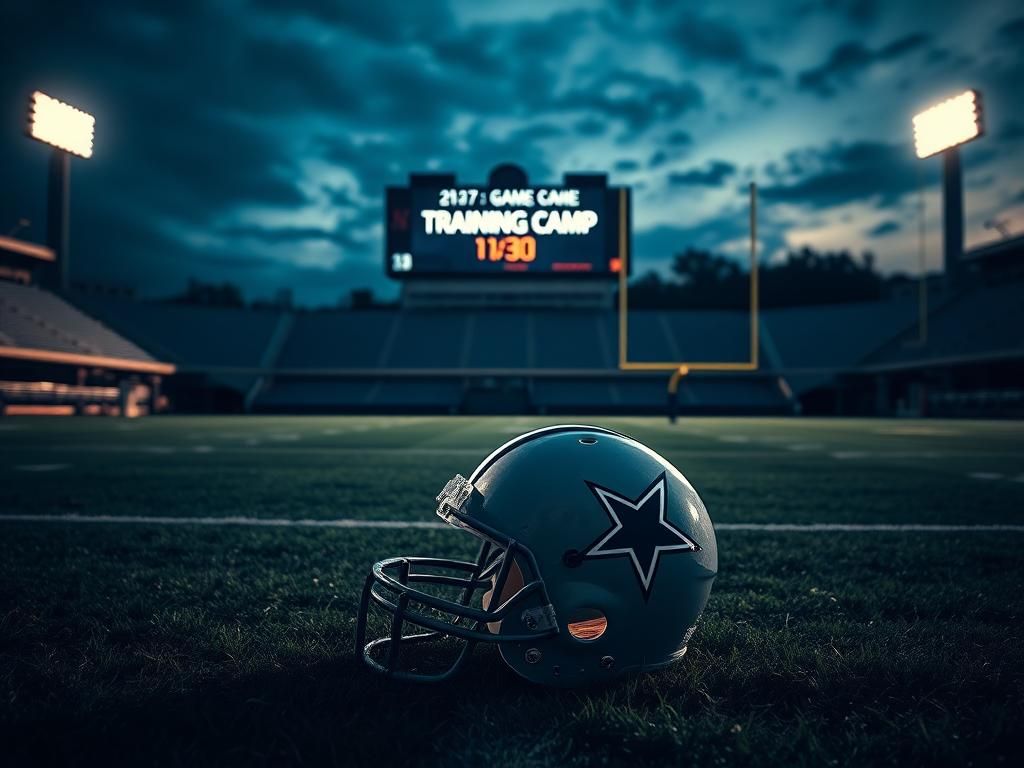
625, 364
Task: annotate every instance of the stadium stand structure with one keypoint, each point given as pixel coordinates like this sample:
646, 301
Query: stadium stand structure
37, 319
970, 362
474, 361
856, 358
492, 361
219, 352
54, 358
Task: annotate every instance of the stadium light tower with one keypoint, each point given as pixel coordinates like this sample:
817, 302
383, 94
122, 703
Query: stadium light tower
942, 129
69, 131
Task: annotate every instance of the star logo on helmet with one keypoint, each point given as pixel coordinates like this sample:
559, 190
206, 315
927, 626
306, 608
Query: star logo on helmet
639, 530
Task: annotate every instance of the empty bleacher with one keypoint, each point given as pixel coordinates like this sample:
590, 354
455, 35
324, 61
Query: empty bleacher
500, 339
812, 342
427, 340
337, 340
32, 318
447, 359
983, 322
708, 336
193, 337
57, 360
567, 340
540, 360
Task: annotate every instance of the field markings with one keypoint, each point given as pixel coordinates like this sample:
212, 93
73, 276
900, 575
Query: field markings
918, 431
279, 522
985, 475
844, 455
747, 451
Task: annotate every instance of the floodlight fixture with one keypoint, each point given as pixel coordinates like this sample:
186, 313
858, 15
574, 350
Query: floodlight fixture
60, 125
948, 124
941, 129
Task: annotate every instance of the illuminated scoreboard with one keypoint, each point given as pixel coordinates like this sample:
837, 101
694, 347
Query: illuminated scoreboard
437, 228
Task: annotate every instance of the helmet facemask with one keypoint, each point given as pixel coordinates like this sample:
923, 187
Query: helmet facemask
447, 599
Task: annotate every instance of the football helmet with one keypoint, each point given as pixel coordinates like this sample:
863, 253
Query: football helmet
596, 559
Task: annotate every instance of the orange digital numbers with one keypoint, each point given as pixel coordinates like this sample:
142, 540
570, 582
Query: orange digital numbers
511, 248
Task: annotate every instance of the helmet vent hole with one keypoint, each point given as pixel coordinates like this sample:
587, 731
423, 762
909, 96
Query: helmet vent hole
588, 441
587, 624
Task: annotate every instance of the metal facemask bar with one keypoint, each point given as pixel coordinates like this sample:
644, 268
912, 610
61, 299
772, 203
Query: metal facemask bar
391, 585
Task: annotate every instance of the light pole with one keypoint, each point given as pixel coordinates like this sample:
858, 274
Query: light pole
943, 128
70, 132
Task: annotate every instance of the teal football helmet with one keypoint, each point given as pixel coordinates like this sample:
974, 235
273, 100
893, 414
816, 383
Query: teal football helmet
596, 559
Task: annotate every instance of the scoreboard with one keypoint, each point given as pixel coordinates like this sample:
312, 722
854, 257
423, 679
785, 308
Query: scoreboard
437, 229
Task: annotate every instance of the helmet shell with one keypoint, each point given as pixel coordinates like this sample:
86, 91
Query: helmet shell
551, 491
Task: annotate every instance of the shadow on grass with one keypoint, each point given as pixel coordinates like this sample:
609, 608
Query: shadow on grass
336, 712
331, 712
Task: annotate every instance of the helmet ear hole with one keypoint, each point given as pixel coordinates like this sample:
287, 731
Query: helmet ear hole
587, 624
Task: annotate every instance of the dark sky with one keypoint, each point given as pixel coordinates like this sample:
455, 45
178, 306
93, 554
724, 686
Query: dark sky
251, 141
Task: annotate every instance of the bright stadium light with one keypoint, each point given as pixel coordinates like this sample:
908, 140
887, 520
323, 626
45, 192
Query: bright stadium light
941, 129
60, 125
948, 124
69, 131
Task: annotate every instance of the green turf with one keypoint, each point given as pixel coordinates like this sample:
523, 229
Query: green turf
188, 645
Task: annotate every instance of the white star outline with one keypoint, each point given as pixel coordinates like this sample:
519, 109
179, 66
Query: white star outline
658, 487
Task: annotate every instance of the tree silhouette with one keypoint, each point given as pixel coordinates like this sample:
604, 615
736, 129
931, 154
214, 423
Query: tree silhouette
704, 280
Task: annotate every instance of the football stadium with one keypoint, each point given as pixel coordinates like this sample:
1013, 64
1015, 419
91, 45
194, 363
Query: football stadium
547, 486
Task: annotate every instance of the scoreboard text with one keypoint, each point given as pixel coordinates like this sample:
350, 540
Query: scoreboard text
468, 231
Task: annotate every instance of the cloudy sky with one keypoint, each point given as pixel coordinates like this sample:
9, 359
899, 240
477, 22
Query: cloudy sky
251, 141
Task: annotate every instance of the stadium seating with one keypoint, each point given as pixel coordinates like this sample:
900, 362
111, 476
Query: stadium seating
568, 340
824, 339
983, 322
500, 340
189, 335
544, 360
337, 340
707, 336
37, 319
427, 340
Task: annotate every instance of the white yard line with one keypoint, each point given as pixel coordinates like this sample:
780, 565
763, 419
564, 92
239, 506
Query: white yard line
423, 524
742, 451
273, 522
867, 527
985, 475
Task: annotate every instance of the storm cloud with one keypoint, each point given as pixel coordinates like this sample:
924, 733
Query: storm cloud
849, 60
252, 140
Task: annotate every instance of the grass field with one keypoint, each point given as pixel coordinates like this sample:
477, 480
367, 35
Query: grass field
139, 643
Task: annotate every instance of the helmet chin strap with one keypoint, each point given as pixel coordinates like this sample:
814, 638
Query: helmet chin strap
513, 583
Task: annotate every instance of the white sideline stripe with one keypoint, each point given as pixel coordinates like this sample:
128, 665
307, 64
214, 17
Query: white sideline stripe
869, 527
270, 522
278, 522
